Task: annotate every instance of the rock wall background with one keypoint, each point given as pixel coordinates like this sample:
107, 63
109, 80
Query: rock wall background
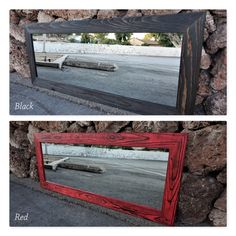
202, 199
211, 95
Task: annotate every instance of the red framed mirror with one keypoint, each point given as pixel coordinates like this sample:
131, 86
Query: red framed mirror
133, 173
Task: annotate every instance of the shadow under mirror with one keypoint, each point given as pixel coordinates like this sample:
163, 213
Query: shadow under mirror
134, 175
143, 66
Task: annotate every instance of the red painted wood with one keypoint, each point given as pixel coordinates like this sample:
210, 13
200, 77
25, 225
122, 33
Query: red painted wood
175, 143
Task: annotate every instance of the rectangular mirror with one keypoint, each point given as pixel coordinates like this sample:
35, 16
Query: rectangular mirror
129, 174
135, 173
142, 66
145, 65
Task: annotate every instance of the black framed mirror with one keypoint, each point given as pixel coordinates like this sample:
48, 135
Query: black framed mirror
121, 62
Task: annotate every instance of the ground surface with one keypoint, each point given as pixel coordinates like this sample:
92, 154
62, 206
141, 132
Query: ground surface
46, 208
47, 102
137, 181
153, 79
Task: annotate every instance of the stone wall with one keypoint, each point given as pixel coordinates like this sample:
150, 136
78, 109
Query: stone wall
202, 199
211, 95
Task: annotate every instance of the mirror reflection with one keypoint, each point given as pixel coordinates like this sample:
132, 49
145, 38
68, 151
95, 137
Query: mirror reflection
130, 174
143, 66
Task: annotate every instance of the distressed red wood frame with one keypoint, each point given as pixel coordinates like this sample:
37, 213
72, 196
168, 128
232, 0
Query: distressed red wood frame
175, 143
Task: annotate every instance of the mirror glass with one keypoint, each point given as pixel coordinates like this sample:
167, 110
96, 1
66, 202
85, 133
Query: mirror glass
143, 66
132, 174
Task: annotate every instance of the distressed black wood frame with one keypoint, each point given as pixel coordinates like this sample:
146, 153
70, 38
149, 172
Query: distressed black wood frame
191, 25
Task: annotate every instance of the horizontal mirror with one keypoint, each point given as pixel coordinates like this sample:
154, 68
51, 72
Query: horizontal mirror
142, 66
135, 175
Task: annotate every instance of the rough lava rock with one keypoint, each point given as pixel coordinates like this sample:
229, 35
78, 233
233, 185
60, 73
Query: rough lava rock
29, 14
110, 126
106, 14
216, 104
81, 14
203, 84
220, 203
219, 71
205, 60
33, 170
14, 18
75, 128
17, 32
219, 13
52, 126
30, 134
133, 13
217, 39
196, 196
19, 139
19, 162
206, 150
18, 58
148, 12
222, 176
155, 126
218, 217
210, 23
195, 125
44, 17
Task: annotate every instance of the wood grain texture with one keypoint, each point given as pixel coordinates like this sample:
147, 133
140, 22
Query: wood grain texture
189, 66
190, 24
117, 101
175, 143
31, 55
165, 23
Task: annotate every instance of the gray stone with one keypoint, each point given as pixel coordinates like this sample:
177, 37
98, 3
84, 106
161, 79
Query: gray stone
81, 14
84, 123
30, 134
210, 23
44, 17
105, 14
205, 60
131, 12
